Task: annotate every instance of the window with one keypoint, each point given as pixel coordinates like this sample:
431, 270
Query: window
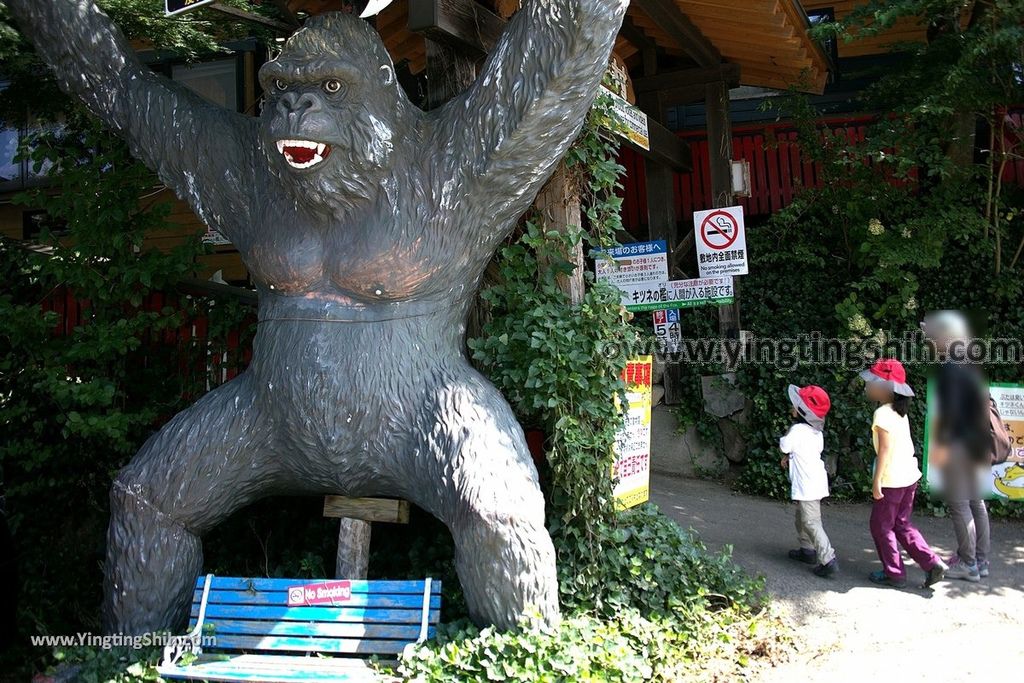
825, 15
34, 222
17, 175
216, 81
10, 170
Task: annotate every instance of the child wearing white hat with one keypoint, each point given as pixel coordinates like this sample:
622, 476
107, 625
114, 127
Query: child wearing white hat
802, 445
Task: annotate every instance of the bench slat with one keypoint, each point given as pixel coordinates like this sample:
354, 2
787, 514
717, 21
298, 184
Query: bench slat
276, 669
297, 644
270, 598
407, 633
318, 614
236, 583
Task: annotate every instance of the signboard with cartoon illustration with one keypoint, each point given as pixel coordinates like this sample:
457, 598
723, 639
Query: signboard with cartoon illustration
632, 470
1005, 481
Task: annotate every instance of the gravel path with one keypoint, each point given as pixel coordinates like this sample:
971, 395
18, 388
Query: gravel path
848, 629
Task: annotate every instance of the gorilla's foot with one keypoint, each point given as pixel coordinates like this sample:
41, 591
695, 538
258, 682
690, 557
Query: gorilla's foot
152, 564
506, 564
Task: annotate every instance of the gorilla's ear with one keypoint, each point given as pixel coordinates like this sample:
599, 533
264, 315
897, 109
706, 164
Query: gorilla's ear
387, 74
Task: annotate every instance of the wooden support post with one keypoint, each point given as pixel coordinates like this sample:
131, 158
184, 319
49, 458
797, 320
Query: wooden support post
720, 157
353, 557
662, 224
559, 204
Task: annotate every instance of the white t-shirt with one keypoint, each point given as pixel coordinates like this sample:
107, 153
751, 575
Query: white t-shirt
902, 468
807, 476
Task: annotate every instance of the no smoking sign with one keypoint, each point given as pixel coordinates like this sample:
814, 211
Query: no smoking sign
721, 241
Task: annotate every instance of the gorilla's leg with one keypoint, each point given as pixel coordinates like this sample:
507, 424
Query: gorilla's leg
205, 463
490, 499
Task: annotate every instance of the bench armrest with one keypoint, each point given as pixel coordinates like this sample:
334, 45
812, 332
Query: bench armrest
191, 643
425, 618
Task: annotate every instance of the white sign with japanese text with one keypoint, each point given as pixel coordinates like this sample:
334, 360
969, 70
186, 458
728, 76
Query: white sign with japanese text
720, 235
636, 269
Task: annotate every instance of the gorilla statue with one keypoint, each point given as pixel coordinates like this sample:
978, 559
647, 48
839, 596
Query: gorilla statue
366, 225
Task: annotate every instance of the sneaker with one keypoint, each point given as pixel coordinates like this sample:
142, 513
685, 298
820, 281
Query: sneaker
827, 570
958, 569
805, 555
983, 569
935, 574
880, 578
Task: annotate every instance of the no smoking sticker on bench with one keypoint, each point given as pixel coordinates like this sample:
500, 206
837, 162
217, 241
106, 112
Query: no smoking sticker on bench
327, 593
721, 238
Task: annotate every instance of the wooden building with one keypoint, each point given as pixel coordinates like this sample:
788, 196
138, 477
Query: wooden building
676, 52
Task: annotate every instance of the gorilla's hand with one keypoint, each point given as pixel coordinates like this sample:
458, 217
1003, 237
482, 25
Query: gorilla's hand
513, 126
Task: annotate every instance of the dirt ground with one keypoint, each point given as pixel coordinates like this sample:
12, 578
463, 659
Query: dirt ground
846, 628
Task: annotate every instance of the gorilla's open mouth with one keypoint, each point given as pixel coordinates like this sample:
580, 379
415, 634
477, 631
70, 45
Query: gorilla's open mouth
303, 154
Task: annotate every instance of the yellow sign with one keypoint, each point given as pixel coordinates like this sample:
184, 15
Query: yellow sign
1005, 481
632, 469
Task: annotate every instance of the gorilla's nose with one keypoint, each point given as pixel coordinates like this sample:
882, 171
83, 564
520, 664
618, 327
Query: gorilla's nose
292, 103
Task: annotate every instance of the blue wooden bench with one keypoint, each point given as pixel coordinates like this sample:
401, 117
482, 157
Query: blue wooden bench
299, 630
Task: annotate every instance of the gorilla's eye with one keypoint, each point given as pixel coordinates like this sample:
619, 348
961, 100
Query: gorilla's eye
332, 86
280, 85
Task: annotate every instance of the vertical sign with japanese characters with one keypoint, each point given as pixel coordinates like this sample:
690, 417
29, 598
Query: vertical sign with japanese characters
667, 330
720, 235
632, 469
637, 269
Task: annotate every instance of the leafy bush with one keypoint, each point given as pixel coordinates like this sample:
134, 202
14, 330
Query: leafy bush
652, 565
113, 665
626, 648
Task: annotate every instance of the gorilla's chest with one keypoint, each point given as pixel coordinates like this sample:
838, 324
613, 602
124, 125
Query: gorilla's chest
366, 261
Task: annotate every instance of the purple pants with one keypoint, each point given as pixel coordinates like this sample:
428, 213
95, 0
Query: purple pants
890, 524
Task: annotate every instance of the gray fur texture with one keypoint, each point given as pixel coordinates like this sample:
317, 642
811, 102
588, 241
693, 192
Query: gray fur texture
366, 264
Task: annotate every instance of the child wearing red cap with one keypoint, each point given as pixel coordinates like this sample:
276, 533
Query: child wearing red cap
895, 479
802, 446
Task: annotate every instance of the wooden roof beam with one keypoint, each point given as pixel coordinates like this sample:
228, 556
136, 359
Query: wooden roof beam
667, 14
463, 24
635, 35
729, 73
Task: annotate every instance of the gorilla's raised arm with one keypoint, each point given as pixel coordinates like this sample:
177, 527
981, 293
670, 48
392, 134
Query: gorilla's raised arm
529, 103
195, 147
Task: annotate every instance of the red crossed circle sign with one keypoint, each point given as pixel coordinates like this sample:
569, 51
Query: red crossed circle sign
719, 230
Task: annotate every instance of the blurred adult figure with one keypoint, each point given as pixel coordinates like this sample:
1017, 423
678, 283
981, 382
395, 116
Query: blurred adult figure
961, 442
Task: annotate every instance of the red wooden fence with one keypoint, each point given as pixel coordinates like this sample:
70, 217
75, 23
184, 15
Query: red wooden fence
203, 362
778, 169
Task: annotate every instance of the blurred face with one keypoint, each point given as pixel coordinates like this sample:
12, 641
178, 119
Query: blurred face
877, 392
793, 411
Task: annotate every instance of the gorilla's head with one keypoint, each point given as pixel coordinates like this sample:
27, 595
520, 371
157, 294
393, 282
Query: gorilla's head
334, 111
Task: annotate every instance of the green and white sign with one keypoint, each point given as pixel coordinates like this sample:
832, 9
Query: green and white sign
636, 269
705, 291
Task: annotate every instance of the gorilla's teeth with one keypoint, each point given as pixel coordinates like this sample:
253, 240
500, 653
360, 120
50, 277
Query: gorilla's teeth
280, 146
317, 158
320, 149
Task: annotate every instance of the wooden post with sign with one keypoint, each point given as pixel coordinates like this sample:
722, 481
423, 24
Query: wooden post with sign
720, 158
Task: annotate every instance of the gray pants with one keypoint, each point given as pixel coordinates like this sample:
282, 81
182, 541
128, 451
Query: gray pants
962, 479
810, 531
970, 523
